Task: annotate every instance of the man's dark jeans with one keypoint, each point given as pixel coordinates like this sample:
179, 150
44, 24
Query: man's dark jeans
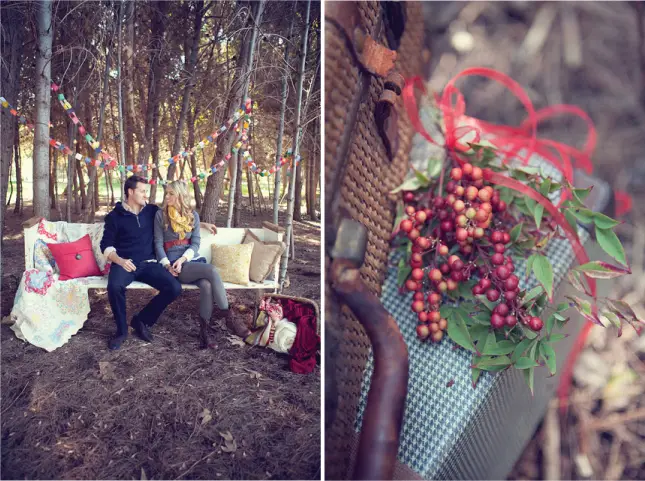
151, 273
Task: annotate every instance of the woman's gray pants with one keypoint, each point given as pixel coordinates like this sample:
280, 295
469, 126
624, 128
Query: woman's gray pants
211, 287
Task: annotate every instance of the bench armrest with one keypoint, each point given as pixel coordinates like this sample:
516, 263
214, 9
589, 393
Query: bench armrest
31, 222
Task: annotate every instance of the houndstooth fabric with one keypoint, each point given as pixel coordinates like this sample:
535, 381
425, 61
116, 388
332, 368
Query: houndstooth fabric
436, 415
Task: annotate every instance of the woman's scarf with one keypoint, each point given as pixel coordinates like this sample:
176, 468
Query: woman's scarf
180, 224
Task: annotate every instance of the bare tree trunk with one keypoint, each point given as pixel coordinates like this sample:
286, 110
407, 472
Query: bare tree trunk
131, 116
71, 175
283, 108
193, 157
237, 93
90, 209
120, 100
155, 154
296, 148
16, 155
191, 64
43, 109
256, 18
312, 177
53, 155
11, 52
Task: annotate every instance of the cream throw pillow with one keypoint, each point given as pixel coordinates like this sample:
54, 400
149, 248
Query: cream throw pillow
232, 262
265, 255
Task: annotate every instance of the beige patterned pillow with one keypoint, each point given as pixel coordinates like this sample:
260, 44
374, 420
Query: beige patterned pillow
265, 255
232, 262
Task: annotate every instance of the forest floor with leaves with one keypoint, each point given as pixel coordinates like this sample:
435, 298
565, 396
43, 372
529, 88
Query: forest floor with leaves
586, 54
165, 410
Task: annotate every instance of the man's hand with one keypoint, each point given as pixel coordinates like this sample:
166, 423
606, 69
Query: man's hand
127, 264
177, 265
209, 227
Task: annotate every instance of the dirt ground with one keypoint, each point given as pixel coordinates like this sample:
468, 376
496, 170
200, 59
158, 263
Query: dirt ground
590, 54
165, 410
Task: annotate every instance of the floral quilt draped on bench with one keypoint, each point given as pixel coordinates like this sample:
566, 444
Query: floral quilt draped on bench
48, 312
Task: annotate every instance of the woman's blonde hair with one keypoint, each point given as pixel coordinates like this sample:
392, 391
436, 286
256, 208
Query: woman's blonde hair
183, 204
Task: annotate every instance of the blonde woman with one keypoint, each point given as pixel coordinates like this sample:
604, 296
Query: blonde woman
177, 240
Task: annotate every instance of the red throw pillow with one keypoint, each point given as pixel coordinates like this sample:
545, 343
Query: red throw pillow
75, 259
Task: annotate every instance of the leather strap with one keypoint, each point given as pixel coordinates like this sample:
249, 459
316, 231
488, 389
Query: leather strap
368, 53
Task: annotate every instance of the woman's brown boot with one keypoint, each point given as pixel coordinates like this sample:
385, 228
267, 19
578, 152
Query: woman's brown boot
236, 326
205, 339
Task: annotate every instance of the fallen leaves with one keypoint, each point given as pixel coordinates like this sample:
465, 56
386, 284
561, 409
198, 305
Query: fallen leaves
205, 416
106, 371
235, 341
230, 445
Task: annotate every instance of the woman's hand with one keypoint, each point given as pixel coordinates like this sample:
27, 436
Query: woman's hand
209, 227
172, 271
177, 265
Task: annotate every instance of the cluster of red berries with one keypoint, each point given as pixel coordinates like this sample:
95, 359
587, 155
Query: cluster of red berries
467, 215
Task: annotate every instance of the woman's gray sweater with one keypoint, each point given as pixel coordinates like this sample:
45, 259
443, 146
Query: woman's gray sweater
175, 252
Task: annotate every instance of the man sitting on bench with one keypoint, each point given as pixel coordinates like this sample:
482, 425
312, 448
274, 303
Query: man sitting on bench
128, 242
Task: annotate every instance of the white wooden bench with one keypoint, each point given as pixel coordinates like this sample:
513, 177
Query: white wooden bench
225, 236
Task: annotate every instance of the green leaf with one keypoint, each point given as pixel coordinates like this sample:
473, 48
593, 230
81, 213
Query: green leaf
601, 270
458, 332
544, 273
537, 213
584, 308
525, 363
563, 306
613, 318
528, 332
529, 377
581, 194
446, 311
548, 354
604, 222
479, 334
482, 318
476, 374
571, 219
409, 184
423, 180
532, 294
584, 215
520, 349
404, 271
490, 344
550, 322
545, 187
400, 215
515, 232
556, 337
434, 167
575, 278
489, 305
493, 363
502, 347
611, 245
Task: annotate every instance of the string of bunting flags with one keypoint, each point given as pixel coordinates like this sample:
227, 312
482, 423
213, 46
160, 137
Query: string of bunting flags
243, 115
109, 162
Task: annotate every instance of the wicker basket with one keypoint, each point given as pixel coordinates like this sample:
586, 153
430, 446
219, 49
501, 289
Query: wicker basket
358, 177
302, 300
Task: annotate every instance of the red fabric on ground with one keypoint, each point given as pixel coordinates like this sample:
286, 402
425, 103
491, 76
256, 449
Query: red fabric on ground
303, 351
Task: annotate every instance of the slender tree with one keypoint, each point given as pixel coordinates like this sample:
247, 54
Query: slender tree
283, 108
43, 109
296, 148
